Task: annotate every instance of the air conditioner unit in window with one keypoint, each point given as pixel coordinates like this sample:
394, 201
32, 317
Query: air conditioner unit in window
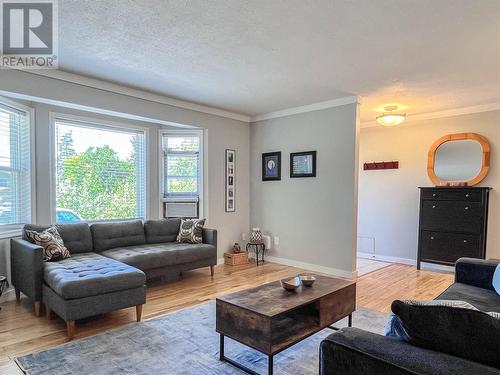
181, 209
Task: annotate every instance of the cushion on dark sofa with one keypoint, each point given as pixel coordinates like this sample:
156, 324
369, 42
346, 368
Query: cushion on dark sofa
470, 334
147, 257
77, 237
90, 274
112, 235
158, 231
482, 299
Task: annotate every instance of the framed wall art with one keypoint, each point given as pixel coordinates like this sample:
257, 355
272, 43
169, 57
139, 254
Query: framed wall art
230, 180
271, 166
303, 164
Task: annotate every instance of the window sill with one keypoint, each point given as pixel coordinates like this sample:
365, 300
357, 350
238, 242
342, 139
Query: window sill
181, 199
10, 233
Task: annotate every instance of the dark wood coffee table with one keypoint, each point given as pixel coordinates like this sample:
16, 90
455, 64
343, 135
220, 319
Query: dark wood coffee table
270, 319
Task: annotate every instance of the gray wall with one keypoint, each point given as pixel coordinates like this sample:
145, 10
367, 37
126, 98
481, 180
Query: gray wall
314, 218
221, 133
389, 199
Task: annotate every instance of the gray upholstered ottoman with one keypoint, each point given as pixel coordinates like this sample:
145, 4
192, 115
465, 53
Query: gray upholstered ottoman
89, 284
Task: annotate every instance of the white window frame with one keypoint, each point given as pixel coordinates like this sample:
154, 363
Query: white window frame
201, 197
14, 230
96, 123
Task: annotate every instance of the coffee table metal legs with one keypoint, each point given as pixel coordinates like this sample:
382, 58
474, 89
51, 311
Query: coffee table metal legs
349, 323
223, 358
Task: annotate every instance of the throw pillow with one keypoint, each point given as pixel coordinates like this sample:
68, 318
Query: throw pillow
452, 327
496, 279
191, 231
51, 242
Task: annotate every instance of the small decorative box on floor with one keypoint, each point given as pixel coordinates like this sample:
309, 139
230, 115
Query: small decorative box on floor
235, 259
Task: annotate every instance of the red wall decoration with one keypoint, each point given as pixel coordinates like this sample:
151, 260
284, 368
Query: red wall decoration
381, 165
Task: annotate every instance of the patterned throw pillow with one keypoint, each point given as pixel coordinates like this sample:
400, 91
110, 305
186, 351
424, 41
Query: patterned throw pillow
191, 231
52, 243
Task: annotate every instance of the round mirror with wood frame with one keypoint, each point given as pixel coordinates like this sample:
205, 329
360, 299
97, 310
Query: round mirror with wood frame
485, 164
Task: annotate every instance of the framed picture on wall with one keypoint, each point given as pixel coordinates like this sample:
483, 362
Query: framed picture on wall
230, 174
271, 166
303, 164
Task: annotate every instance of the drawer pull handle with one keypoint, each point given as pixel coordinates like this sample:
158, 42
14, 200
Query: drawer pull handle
466, 208
467, 195
432, 237
433, 206
434, 194
465, 241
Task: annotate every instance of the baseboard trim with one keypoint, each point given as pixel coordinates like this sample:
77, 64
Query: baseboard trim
386, 258
220, 261
313, 267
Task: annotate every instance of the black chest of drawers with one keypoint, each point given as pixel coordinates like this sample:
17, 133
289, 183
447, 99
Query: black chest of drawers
453, 224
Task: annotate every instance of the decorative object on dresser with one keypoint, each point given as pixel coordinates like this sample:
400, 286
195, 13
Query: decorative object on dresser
271, 166
236, 259
230, 180
453, 224
303, 164
270, 319
461, 159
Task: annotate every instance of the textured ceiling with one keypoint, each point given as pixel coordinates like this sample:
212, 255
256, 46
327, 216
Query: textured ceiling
259, 56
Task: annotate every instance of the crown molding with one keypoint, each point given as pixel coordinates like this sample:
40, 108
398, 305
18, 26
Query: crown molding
442, 114
136, 93
308, 108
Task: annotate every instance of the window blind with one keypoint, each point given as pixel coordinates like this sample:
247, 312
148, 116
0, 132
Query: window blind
15, 167
182, 169
100, 172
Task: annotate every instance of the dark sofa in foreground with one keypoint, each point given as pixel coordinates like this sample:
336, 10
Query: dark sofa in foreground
353, 351
108, 267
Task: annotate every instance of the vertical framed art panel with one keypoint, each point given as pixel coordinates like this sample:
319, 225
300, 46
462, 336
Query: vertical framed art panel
230, 165
271, 166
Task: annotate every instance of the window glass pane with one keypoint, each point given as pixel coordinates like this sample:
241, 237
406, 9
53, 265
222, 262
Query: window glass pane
100, 173
186, 166
183, 186
7, 197
15, 167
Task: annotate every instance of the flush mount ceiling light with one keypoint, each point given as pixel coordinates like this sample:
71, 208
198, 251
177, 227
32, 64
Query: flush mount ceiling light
390, 118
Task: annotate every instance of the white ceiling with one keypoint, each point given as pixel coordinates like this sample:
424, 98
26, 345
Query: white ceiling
258, 56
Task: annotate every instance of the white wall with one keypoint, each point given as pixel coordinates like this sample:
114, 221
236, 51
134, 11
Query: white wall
389, 199
315, 218
49, 94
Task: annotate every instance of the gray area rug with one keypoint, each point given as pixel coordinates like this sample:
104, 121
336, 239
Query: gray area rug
184, 342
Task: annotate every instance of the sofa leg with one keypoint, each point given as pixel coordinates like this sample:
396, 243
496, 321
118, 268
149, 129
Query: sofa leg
18, 295
212, 269
70, 326
138, 312
48, 312
37, 308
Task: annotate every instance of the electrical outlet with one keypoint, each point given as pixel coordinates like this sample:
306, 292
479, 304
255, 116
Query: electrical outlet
243, 236
276, 240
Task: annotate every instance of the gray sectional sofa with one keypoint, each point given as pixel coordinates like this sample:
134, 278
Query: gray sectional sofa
353, 351
108, 267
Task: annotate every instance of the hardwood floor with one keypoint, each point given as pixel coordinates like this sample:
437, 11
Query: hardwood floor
22, 333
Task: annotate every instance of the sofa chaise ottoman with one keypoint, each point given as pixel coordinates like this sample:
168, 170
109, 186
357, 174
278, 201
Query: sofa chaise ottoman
108, 267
